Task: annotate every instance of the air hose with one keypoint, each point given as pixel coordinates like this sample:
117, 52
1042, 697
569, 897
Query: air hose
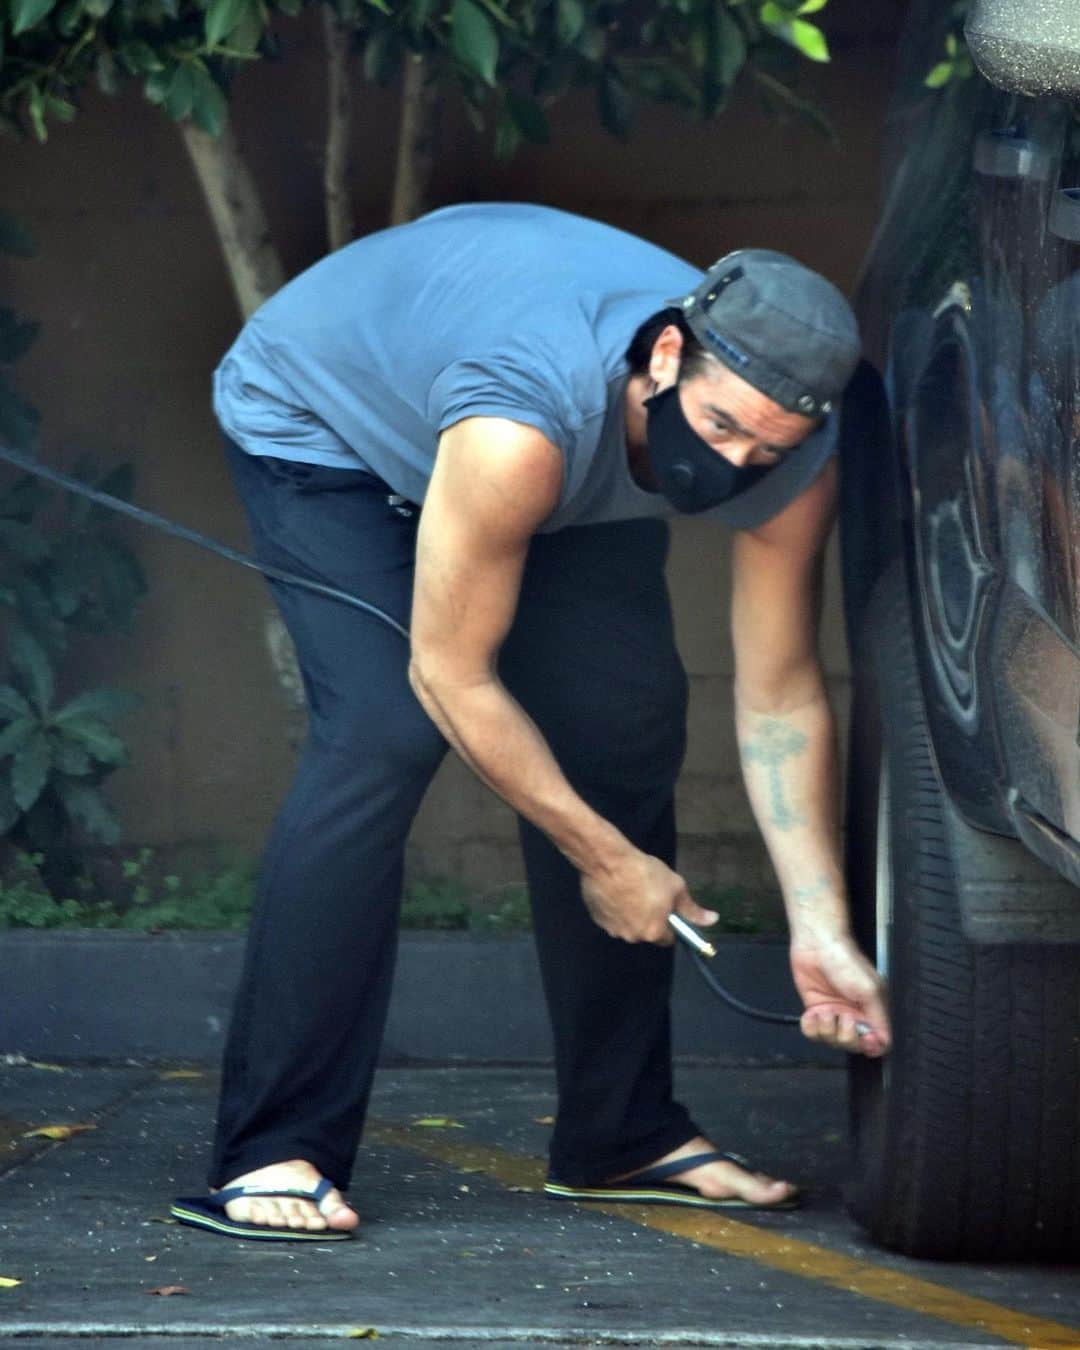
695, 944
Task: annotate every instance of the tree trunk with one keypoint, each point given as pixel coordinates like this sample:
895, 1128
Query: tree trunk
252, 261
256, 272
416, 142
340, 224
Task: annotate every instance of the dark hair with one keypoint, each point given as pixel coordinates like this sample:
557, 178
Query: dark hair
643, 341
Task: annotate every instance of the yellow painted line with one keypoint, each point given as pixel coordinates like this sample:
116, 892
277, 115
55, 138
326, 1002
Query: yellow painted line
805, 1259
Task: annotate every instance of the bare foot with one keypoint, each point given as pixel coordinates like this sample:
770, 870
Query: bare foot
288, 1212
722, 1180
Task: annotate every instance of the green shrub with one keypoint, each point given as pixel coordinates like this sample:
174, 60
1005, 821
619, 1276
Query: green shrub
64, 570
435, 902
154, 900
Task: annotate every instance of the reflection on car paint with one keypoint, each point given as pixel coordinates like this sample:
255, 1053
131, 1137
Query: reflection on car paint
971, 307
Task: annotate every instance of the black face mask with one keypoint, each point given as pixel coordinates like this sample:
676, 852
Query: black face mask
689, 472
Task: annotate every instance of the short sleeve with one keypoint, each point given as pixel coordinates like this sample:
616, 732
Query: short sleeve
503, 386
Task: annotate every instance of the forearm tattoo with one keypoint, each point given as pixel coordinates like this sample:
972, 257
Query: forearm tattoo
772, 743
806, 894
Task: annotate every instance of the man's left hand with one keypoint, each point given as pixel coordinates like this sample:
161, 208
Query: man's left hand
844, 996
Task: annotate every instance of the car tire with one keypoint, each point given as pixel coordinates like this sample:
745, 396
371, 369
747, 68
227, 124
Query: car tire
965, 1137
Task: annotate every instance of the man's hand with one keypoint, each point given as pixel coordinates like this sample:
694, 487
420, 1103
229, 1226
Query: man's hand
633, 898
842, 991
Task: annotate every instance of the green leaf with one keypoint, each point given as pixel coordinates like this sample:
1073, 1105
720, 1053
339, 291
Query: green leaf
507, 136
157, 84
15, 735
139, 57
569, 20
421, 12
474, 40
35, 107
71, 758
222, 16
30, 770
811, 6
529, 118
210, 109
9, 811
105, 745
24, 498
122, 581
39, 614
60, 108
381, 53
15, 239
88, 809
12, 703
17, 335
97, 9
19, 420
592, 44
940, 75
106, 704
810, 40
615, 104
732, 45
24, 541
68, 17
26, 13
106, 73
28, 658
181, 94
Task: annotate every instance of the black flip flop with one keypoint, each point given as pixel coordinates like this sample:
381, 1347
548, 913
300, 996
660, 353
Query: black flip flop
208, 1211
650, 1187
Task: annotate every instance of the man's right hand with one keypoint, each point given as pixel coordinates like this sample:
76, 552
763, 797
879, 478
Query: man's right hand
632, 899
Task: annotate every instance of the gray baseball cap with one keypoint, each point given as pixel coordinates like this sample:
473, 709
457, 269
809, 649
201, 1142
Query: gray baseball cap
781, 327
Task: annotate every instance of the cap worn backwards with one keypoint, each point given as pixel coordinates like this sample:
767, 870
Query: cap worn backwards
781, 327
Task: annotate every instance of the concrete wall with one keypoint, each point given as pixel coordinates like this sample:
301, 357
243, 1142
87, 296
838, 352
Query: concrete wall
136, 310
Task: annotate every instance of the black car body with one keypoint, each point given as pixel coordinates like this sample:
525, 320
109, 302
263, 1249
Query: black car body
960, 524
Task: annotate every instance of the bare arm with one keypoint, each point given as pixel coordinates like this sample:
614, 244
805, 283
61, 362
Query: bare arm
787, 745
494, 483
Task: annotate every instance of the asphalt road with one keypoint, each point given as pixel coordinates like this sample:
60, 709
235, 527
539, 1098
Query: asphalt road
457, 1245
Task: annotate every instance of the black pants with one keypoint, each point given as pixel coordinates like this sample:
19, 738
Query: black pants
592, 659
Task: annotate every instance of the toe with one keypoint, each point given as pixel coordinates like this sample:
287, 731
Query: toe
337, 1214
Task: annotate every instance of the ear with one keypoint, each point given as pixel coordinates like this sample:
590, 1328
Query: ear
665, 357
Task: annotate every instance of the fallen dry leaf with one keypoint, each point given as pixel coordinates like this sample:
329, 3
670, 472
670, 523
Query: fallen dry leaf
181, 1073
544, 1120
363, 1334
167, 1290
57, 1131
159, 1218
6, 1282
439, 1123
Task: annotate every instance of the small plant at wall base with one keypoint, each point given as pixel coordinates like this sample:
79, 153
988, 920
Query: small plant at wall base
64, 570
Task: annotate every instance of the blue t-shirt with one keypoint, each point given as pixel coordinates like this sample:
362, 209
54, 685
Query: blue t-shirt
490, 310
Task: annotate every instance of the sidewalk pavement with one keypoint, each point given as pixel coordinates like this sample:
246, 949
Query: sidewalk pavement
457, 1244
